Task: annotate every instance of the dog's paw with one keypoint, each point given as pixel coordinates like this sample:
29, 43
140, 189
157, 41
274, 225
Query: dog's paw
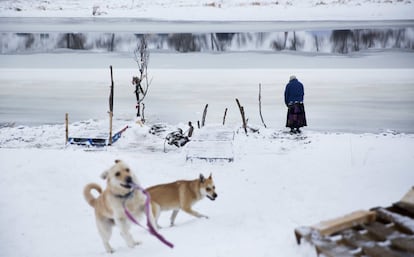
134, 243
204, 216
109, 249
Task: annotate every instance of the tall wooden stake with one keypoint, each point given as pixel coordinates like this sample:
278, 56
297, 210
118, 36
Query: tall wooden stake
111, 106
143, 113
260, 104
242, 115
224, 117
203, 121
67, 128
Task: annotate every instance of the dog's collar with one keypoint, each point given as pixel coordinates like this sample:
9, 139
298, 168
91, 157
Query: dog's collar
125, 196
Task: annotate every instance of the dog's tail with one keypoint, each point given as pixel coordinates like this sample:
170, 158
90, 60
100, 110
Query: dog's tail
87, 193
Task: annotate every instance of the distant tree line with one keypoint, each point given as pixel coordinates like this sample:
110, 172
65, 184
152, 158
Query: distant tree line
335, 41
345, 41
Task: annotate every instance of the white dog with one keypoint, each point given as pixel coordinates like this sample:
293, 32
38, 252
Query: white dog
109, 205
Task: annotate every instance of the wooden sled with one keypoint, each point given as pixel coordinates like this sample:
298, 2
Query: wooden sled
379, 232
97, 142
211, 144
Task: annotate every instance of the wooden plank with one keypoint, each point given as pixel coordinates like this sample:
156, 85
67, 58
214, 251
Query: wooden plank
333, 250
406, 204
408, 198
378, 251
330, 227
403, 243
403, 208
379, 230
398, 240
403, 222
355, 239
369, 247
323, 245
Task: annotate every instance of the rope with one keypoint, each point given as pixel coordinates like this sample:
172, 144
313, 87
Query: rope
150, 228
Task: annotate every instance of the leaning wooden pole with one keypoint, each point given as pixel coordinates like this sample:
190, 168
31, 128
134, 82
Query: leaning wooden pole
111, 106
242, 115
66, 128
260, 105
224, 117
203, 121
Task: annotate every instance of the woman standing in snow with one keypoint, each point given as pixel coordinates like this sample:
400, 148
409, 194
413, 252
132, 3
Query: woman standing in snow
294, 93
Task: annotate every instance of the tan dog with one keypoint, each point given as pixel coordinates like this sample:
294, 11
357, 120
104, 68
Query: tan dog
109, 205
182, 194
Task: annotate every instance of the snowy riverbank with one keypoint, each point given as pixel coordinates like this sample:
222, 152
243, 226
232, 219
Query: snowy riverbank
355, 154
276, 183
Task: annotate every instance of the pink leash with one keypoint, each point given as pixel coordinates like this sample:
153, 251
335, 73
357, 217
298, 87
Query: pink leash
150, 228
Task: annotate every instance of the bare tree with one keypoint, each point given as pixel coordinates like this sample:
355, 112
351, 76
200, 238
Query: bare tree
141, 82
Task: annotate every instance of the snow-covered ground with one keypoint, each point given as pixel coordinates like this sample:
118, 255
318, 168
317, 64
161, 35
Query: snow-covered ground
245, 10
276, 183
355, 154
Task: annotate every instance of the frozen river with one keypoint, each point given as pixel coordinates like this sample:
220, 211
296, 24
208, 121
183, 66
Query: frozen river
137, 25
369, 92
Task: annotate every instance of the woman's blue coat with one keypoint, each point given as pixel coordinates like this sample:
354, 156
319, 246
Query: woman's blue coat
294, 92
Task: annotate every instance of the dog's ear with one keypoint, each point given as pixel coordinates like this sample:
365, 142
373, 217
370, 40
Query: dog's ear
105, 174
117, 161
202, 178
211, 176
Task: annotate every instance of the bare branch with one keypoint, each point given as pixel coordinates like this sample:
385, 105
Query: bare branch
141, 57
260, 105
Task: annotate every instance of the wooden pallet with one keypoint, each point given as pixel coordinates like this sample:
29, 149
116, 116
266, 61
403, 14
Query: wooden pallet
212, 143
379, 232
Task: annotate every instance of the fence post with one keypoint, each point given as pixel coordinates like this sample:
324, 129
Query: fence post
66, 128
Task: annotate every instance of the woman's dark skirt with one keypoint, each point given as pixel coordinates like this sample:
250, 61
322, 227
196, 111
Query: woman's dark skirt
296, 117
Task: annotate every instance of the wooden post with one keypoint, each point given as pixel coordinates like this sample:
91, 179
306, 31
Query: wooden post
260, 104
66, 128
224, 117
143, 113
203, 121
242, 115
111, 106
191, 129
110, 128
